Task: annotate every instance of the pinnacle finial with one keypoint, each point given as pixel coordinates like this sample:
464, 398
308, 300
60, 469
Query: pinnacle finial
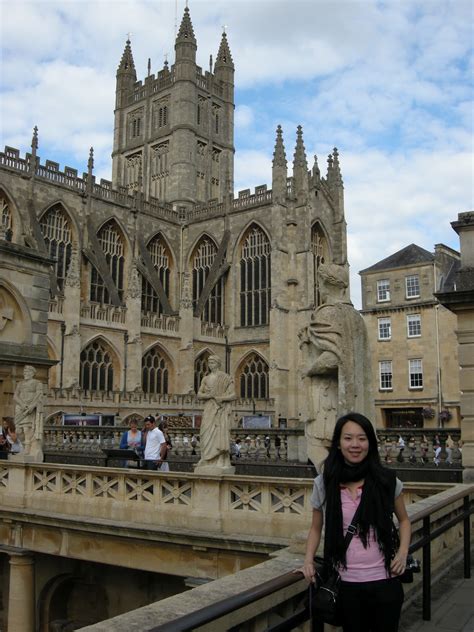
279, 155
90, 162
186, 31
224, 56
127, 63
300, 153
34, 140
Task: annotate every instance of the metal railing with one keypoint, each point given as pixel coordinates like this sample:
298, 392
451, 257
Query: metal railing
241, 600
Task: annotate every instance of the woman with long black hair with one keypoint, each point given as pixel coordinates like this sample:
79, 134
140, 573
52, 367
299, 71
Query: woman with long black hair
370, 596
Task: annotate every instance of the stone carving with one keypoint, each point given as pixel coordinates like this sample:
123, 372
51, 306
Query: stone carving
217, 389
73, 277
28, 398
134, 284
186, 301
337, 363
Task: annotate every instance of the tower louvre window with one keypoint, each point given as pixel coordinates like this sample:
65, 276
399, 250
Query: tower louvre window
155, 372
161, 260
97, 371
205, 253
56, 231
254, 378
255, 280
112, 244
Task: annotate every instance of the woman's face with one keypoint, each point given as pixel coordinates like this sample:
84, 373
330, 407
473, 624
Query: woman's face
354, 443
133, 424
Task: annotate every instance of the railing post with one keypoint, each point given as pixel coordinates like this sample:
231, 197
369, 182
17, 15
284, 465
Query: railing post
467, 537
426, 570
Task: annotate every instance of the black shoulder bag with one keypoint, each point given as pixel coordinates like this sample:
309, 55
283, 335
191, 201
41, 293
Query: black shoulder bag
324, 592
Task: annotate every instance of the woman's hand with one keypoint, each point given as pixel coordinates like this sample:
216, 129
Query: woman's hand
398, 564
308, 571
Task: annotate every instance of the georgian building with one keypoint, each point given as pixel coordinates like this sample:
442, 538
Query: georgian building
162, 266
412, 339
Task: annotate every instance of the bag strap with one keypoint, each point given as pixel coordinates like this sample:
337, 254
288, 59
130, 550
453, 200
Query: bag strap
352, 528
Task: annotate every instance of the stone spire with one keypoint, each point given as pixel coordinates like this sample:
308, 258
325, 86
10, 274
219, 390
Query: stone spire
300, 165
126, 77
279, 155
279, 168
127, 65
224, 56
186, 31
185, 45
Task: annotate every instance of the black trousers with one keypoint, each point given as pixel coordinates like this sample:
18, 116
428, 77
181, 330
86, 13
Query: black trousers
371, 606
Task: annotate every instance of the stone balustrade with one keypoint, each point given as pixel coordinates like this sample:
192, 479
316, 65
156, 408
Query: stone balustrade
261, 596
263, 445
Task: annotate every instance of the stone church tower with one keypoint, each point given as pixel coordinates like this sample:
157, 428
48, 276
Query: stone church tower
157, 269
174, 132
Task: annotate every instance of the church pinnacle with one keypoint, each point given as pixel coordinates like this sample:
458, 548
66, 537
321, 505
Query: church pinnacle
224, 56
300, 161
186, 31
279, 155
127, 65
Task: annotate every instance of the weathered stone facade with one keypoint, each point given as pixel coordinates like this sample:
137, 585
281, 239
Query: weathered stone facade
457, 295
162, 266
412, 339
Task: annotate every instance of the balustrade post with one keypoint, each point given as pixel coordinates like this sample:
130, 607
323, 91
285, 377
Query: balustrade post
426, 570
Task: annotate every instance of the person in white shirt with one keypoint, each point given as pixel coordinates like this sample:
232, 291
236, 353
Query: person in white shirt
155, 446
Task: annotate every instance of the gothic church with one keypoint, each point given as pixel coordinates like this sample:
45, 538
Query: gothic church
117, 292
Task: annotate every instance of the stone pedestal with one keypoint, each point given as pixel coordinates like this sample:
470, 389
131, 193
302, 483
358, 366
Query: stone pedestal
21, 601
36, 456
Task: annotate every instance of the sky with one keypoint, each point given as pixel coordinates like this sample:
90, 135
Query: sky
389, 83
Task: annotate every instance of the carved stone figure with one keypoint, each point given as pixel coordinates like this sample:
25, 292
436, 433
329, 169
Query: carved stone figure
28, 399
217, 389
337, 364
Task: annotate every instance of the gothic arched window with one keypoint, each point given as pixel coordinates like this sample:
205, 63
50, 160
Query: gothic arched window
201, 369
203, 259
319, 249
155, 372
97, 370
254, 378
161, 258
255, 281
112, 244
57, 235
6, 216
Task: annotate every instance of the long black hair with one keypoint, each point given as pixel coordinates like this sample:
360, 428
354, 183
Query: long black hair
377, 501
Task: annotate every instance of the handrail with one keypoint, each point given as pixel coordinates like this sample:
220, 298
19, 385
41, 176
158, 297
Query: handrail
221, 608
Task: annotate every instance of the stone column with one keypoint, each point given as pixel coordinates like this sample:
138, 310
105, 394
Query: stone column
21, 601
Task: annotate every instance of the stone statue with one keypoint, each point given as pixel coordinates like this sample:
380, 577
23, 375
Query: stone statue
337, 369
28, 399
217, 389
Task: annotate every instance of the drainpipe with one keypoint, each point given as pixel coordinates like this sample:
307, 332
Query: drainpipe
61, 367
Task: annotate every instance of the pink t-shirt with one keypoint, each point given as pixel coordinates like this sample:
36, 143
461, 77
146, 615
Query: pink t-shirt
363, 565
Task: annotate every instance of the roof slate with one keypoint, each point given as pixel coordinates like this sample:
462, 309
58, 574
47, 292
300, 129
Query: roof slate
407, 256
